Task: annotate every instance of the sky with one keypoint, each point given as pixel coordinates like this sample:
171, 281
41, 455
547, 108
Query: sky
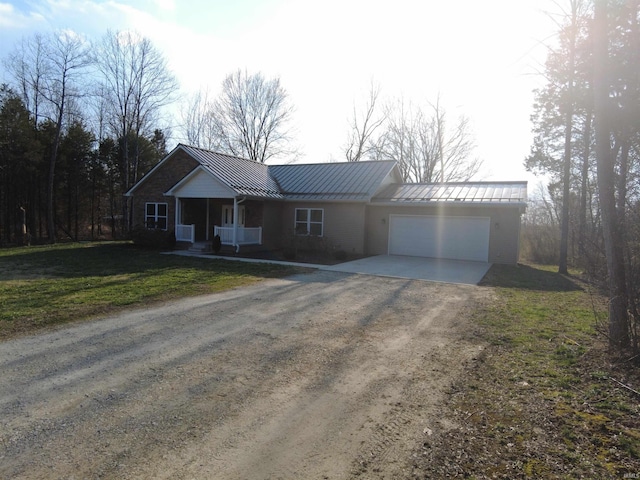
480, 59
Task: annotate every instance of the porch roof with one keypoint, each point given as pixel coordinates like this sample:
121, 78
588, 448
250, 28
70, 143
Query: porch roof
245, 177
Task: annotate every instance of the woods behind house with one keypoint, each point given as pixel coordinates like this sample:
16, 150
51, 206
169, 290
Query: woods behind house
586, 123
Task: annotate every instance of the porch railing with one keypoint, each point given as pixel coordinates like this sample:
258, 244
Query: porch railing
245, 236
186, 233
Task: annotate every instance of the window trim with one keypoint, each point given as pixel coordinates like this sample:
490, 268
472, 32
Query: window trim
308, 222
156, 216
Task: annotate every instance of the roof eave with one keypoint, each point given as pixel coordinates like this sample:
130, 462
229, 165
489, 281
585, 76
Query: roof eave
410, 203
325, 200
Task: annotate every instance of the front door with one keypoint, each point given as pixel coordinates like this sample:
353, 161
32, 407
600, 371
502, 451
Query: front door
194, 212
227, 215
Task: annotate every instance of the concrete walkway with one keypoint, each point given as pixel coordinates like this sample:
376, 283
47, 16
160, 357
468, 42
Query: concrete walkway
395, 266
417, 268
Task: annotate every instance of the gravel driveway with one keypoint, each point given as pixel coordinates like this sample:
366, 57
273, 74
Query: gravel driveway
321, 375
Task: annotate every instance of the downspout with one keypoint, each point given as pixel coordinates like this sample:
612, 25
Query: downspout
235, 221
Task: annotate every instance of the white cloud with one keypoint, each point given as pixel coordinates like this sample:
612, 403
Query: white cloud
476, 55
11, 18
166, 5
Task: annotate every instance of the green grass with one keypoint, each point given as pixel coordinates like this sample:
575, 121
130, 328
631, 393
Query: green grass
48, 285
544, 317
540, 402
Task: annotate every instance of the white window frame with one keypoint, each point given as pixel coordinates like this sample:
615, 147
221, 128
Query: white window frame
154, 218
308, 222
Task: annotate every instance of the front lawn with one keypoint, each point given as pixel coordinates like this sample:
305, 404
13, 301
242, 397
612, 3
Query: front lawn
47, 285
546, 399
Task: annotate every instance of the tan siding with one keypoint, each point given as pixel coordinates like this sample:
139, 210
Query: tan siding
504, 241
272, 228
343, 223
505, 236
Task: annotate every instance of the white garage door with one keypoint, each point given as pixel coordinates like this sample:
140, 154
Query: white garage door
461, 238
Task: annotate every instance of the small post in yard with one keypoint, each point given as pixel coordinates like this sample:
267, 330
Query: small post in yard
23, 238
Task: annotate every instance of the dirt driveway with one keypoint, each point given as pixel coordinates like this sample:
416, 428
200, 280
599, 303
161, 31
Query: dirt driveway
320, 376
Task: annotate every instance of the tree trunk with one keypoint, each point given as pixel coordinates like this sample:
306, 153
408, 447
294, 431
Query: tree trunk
125, 178
618, 319
51, 223
582, 230
566, 192
568, 135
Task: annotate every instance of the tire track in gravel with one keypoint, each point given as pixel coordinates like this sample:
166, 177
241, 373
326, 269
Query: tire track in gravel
306, 377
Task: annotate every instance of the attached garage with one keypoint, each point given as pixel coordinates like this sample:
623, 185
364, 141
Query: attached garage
460, 238
476, 221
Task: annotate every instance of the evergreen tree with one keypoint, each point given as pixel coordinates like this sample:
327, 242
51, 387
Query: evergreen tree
20, 162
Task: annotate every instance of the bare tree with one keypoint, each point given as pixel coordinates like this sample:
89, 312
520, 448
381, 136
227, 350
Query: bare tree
400, 140
455, 146
363, 127
138, 84
28, 65
198, 126
49, 70
540, 227
571, 32
68, 57
252, 117
425, 146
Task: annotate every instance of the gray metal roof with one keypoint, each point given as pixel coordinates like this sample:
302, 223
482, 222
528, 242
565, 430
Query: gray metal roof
464, 192
246, 177
351, 181
356, 181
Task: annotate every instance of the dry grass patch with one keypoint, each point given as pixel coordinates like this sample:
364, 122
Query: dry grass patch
546, 400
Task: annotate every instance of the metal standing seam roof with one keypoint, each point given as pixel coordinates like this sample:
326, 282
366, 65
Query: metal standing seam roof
244, 176
321, 181
331, 181
350, 181
464, 192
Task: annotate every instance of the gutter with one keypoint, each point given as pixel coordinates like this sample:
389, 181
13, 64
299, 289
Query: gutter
436, 203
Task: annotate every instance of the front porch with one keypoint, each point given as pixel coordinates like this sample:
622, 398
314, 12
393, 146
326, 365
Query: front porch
238, 222
243, 235
239, 235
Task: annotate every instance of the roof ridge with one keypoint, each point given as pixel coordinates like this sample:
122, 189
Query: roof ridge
221, 153
206, 150
330, 163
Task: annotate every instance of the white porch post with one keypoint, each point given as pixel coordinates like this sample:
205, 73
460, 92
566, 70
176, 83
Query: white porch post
235, 222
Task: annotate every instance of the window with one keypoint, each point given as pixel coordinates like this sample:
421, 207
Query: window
155, 216
309, 221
